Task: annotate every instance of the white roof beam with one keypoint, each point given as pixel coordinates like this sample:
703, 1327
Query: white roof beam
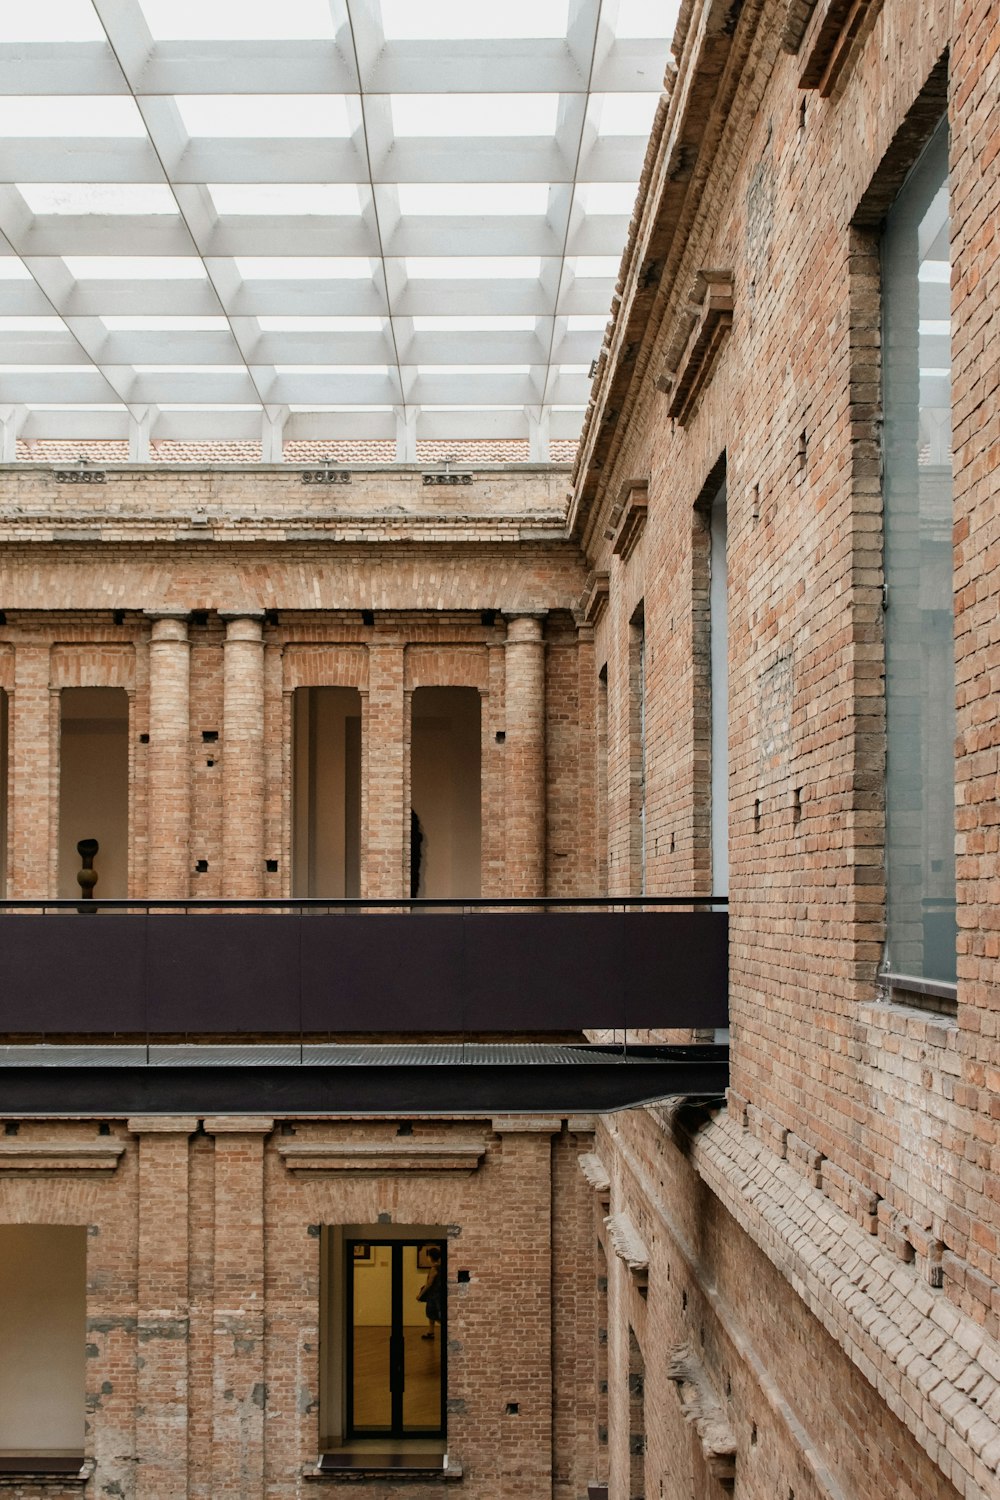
272, 427
538, 433
58, 67
407, 418
125, 27
12, 420
140, 425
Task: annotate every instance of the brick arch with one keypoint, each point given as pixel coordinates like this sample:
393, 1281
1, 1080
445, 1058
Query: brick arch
446, 666
325, 666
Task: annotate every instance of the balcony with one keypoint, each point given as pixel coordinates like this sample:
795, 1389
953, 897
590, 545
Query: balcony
296, 1005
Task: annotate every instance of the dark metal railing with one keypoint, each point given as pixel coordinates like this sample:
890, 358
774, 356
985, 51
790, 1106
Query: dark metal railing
248, 967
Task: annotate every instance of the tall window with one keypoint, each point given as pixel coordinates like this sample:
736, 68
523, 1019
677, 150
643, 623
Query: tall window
326, 792
719, 647
93, 787
919, 619
637, 751
43, 1289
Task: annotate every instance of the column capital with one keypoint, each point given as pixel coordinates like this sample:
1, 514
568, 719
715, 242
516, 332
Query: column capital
243, 625
526, 627
168, 625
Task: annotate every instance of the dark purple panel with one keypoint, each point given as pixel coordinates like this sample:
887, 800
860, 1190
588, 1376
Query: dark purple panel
223, 973
543, 971
382, 973
72, 973
676, 969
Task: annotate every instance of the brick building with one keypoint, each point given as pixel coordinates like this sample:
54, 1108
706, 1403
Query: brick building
743, 651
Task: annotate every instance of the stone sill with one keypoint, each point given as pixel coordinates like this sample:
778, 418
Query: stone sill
452, 1475
40, 1478
934, 1027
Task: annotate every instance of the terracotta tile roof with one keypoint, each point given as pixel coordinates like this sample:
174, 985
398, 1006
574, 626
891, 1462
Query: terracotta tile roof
297, 451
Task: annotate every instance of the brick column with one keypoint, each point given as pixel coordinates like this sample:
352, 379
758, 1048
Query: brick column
31, 816
239, 1394
388, 820
168, 759
162, 1326
525, 755
524, 1372
243, 758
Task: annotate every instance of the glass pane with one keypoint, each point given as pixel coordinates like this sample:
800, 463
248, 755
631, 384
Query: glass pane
372, 1318
919, 622
423, 1331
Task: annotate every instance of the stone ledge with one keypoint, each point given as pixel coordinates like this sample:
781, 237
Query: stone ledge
701, 1407
37, 1157
49, 1482
695, 347
382, 1156
409, 1477
878, 1310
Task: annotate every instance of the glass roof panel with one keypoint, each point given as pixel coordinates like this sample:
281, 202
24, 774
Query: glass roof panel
486, 267
286, 197
440, 20
474, 114
53, 115
302, 268
69, 20
308, 324
473, 198
359, 217
624, 114
250, 20
98, 197
257, 116
135, 267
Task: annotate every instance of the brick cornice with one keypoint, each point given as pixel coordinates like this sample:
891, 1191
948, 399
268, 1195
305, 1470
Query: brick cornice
701, 331
35, 1158
382, 1156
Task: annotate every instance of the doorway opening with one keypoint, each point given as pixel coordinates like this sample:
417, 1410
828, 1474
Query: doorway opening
93, 787
396, 1339
43, 1291
326, 792
446, 792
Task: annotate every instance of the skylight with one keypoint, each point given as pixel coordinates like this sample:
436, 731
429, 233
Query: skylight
134, 267
269, 324
256, 116
238, 20
359, 227
302, 268
473, 198
98, 197
52, 116
483, 267
286, 197
625, 114
468, 115
458, 20
69, 20
484, 324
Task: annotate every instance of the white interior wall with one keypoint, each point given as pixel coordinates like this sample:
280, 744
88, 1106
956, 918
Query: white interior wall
326, 798
43, 1291
446, 789
93, 786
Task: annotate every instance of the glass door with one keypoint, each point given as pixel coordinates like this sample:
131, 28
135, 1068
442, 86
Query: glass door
396, 1339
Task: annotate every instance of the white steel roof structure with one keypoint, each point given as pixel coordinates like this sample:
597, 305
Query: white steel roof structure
258, 219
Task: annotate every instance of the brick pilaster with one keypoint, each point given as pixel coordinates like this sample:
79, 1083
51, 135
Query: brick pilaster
388, 818
168, 760
30, 823
243, 758
162, 1326
525, 755
524, 1375
239, 1393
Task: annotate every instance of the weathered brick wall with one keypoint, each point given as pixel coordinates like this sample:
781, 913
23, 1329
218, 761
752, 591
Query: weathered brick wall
203, 1298
886, 1112
217, 626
